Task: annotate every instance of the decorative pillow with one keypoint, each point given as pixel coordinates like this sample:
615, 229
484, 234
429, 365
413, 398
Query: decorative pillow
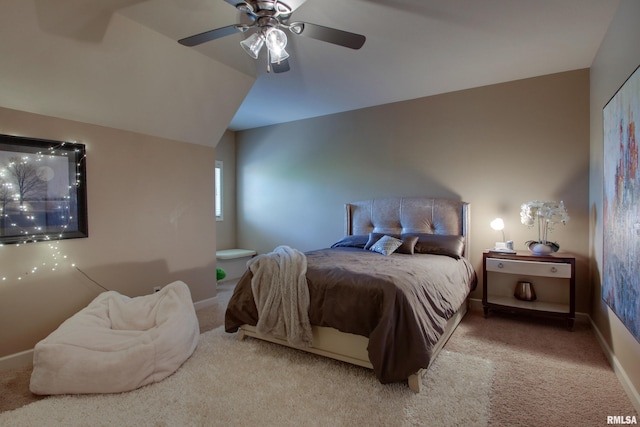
386, 245
439, 244
355, 241
373, 237
408, 242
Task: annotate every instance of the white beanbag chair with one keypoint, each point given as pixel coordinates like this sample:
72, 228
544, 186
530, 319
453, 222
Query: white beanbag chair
118, 343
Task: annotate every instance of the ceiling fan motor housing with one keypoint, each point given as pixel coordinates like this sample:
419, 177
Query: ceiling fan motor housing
261, 10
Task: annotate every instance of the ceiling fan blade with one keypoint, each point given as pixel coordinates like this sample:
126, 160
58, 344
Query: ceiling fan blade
281, 67
235, 3
212, 35
329, 35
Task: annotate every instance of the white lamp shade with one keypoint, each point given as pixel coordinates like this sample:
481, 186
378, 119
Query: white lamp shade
497, 224
253, 44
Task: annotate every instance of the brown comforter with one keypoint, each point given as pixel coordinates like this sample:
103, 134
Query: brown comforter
400, 302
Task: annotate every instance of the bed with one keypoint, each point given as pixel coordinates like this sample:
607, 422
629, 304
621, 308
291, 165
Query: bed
392, 310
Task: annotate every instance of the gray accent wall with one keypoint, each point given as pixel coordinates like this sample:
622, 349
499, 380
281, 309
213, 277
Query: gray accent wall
495, 147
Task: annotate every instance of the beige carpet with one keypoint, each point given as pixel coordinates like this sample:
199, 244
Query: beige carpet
542, 373
251, 383
545, 375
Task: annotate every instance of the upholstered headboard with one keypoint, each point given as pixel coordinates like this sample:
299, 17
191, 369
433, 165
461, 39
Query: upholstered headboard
409, 215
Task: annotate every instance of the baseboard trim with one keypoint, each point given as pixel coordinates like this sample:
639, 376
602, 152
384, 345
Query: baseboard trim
475, 303
204, 303
621, 373
16, 360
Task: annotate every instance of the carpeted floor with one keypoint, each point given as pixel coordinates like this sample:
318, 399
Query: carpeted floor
543, 374
255, 383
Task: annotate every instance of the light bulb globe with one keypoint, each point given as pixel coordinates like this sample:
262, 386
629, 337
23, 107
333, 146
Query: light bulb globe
497, 224
276, 40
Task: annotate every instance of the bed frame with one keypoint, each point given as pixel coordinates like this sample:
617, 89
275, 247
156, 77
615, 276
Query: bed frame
393, 216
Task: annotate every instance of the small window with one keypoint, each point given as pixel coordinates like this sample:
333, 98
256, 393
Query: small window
218, 190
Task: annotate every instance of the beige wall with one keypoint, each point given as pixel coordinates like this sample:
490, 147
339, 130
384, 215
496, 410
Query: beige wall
616, 59
136, 99
495, 147
151, 221
112, 72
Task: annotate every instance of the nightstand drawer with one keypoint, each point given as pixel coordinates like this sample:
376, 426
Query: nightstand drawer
530, 268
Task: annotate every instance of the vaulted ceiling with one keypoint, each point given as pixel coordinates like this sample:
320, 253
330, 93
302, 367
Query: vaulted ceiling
414, 48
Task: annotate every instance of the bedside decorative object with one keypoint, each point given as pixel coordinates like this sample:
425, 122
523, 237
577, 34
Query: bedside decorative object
506, 246
539, 248
544, 214
555, 279
524, 291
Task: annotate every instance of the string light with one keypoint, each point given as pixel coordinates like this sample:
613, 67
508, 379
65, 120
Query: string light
53, 261
28, 228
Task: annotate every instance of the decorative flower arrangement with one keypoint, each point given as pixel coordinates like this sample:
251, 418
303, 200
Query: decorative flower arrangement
545, 214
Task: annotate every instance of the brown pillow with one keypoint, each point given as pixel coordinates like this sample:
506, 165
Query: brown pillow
408, 242
438, 244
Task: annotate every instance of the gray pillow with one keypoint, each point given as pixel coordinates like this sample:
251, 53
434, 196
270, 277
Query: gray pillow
354, 241
408, 242
386, 245
439, 244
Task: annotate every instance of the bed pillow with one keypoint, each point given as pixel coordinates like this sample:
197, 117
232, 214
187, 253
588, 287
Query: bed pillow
386, 245
373, 237
439, 244
408, 242
355, 241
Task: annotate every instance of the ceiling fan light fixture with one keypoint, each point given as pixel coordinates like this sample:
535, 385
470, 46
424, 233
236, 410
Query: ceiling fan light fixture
268, 18
297, 27
245, 8
276, 41
276, 58
253, 44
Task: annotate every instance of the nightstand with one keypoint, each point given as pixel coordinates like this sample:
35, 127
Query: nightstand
552, 277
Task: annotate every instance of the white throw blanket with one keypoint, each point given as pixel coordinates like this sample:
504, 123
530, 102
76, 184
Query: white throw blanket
281, 295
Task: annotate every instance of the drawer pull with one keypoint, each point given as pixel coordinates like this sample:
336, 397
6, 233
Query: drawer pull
500, 265
554, 270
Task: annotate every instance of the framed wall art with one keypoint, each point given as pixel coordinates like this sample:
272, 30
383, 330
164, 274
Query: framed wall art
621, 213
43, 194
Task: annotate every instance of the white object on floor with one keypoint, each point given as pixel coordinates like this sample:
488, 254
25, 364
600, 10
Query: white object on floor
235, 253
234, 261
118, 343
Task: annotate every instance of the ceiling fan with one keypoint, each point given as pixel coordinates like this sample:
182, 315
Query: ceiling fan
269, 18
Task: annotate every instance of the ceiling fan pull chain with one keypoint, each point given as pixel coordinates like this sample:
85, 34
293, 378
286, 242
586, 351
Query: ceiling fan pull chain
268, 61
